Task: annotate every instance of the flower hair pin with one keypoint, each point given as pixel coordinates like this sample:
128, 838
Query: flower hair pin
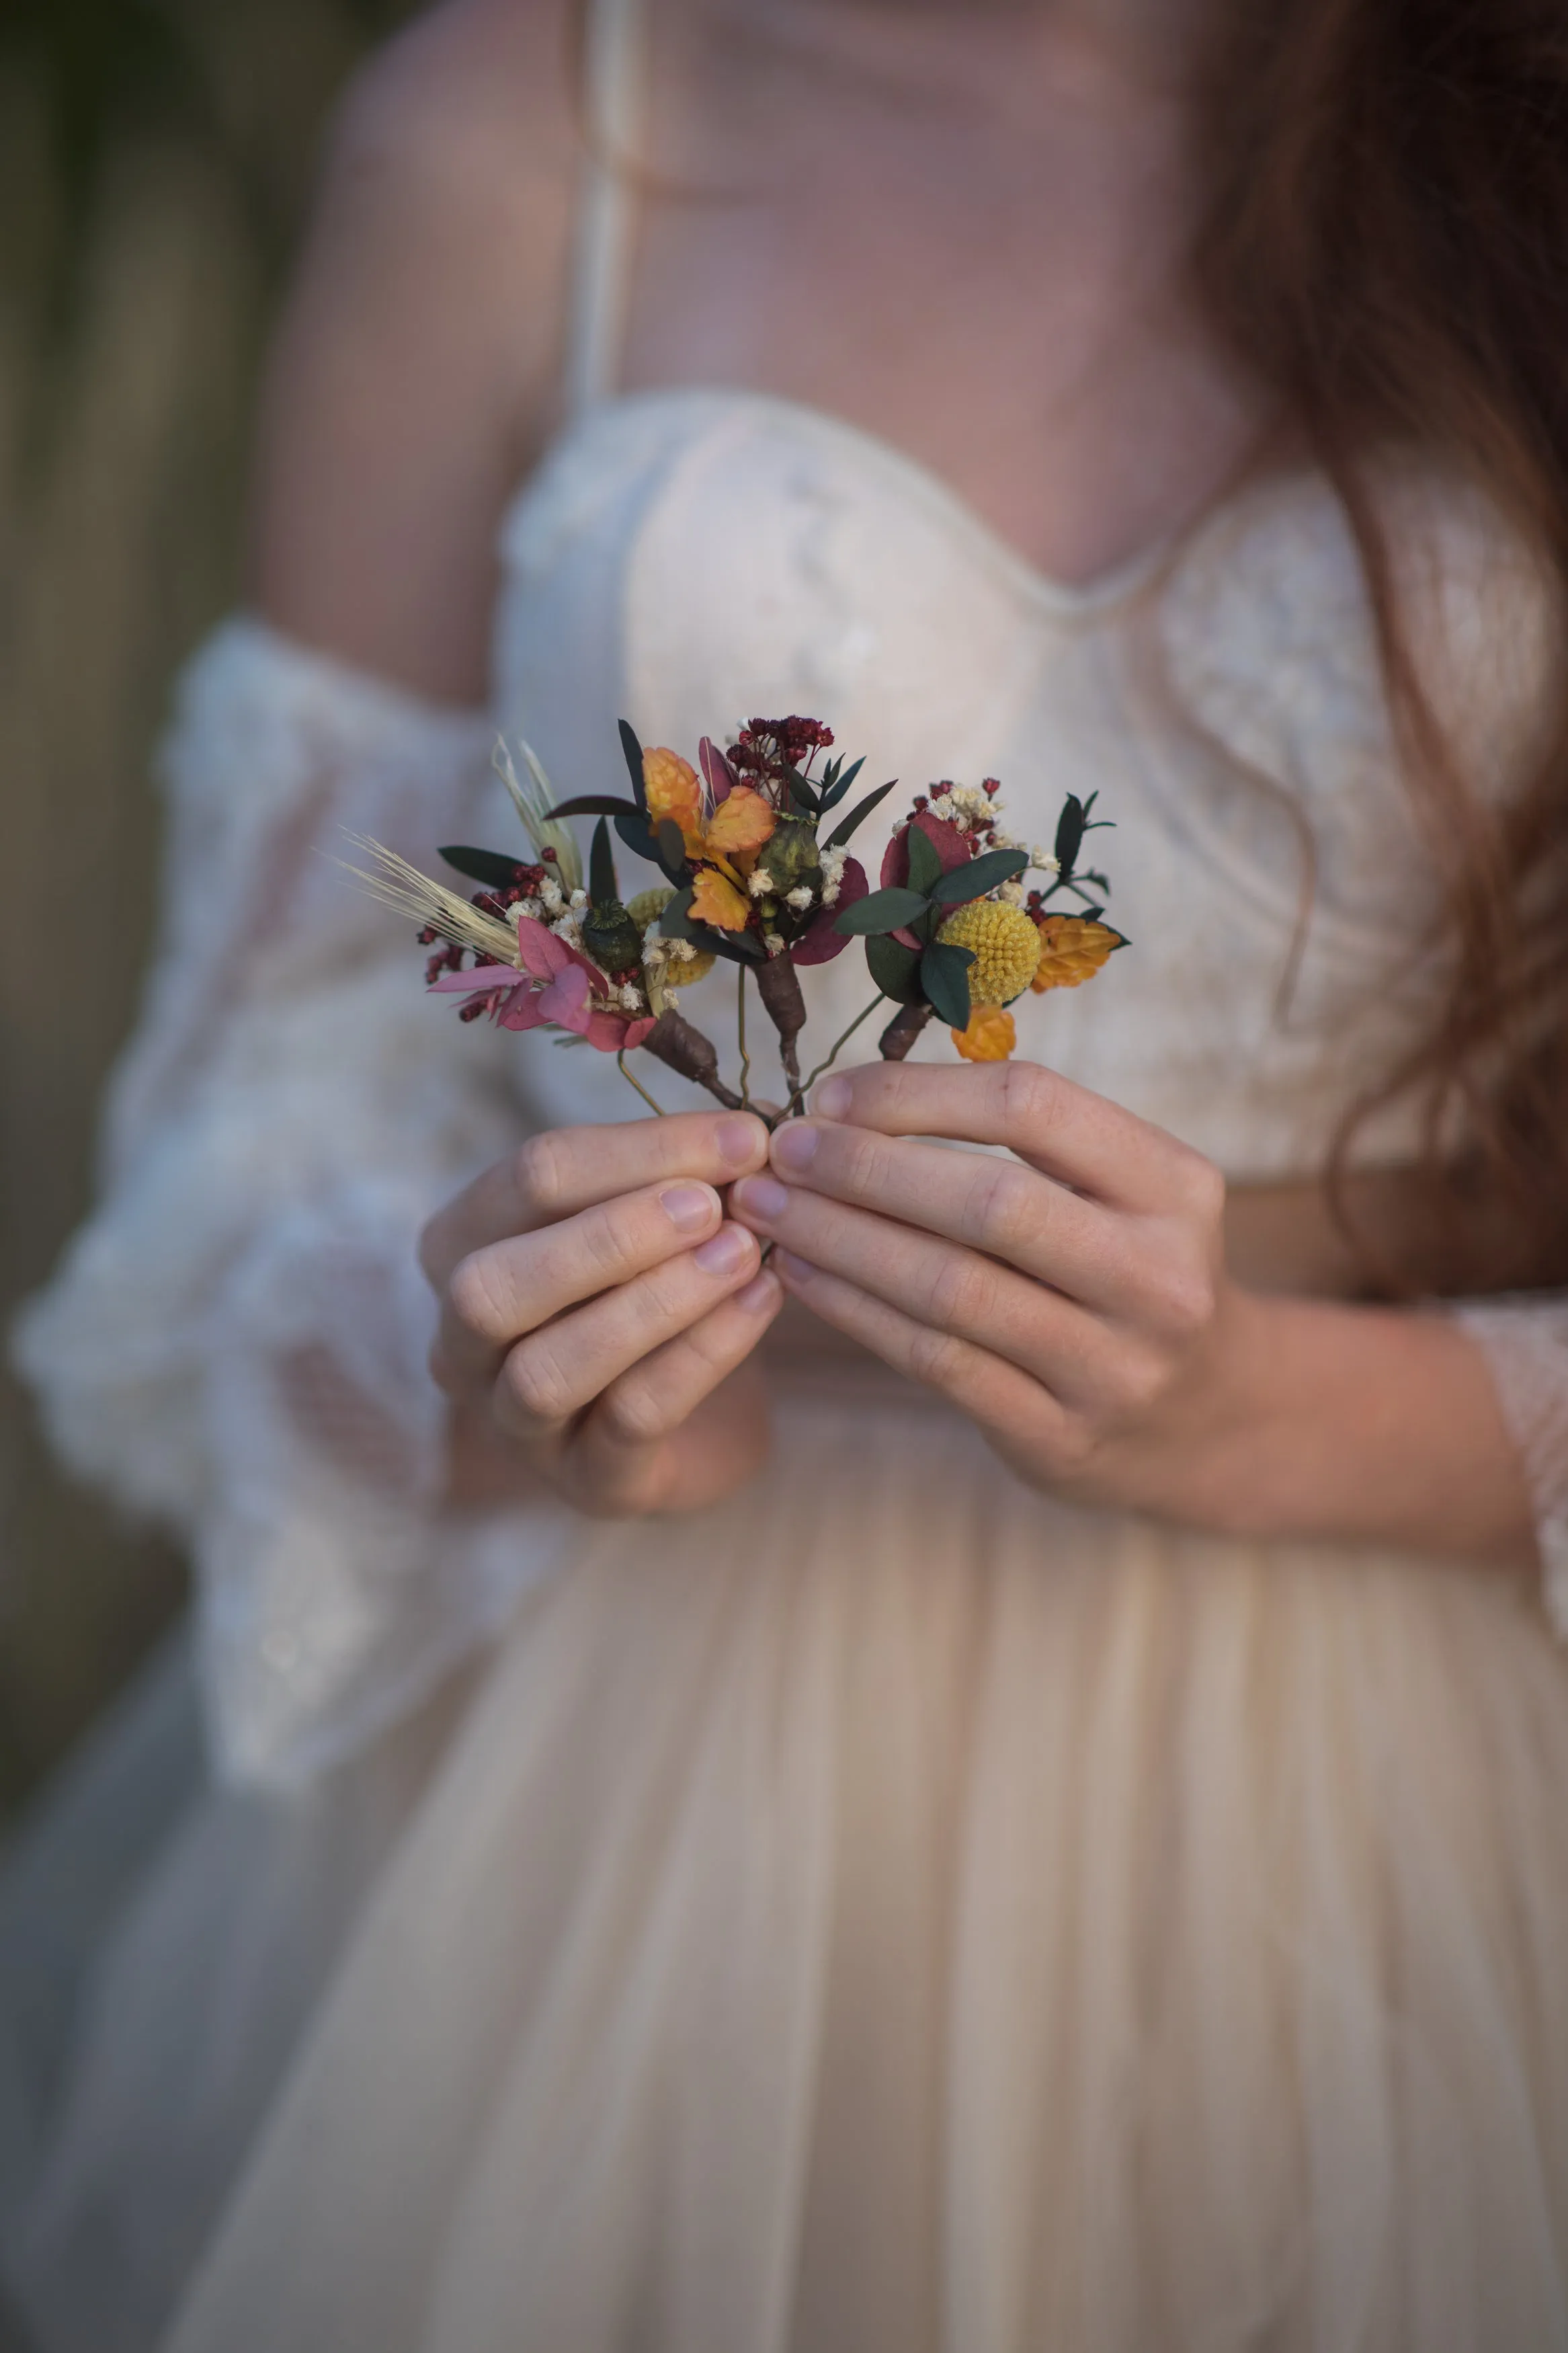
757, 873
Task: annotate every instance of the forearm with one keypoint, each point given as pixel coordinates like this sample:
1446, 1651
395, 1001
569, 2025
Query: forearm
1358, 1424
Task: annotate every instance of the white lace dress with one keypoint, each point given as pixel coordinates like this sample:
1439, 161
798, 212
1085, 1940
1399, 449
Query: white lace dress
888, 1911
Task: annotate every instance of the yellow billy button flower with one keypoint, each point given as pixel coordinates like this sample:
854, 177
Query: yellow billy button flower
1005, 946
1072, 950
990, 1037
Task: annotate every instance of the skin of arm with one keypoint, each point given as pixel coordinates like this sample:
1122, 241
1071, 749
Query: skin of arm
1073, 1301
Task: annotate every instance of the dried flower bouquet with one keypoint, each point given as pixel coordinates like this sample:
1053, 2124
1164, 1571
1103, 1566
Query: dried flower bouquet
753, 878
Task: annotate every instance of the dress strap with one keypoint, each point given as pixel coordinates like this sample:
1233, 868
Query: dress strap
601, 268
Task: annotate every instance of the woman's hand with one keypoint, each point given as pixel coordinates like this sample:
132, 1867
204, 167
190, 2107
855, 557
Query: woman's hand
1073, 1301
595, 1305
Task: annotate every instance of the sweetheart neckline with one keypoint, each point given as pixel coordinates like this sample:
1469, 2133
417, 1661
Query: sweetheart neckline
1071, 600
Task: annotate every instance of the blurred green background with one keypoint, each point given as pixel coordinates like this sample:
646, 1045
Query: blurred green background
156, 159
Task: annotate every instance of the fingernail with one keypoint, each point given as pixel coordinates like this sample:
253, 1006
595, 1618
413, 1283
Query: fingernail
759, 1294
727, 1252
688, 1207
795, 1143
761, 1196
793, 1270
737, 1140
831, 1098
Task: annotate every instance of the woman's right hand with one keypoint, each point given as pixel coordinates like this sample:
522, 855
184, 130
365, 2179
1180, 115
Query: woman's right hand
596, 1306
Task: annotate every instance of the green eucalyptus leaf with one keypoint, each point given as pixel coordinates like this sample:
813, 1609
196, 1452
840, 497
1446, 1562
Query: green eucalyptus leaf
802, 791
836, 781
925, 861
894, 968
849, 825
881, 911
1069, 831
945, 980
637, 834
982, 874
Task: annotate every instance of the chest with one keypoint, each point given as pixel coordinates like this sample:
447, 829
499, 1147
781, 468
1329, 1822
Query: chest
950, 233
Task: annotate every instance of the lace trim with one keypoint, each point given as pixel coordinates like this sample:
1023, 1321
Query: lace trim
1525, 1342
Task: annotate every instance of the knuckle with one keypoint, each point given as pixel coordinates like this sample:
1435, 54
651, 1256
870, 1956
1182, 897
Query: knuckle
1029, 1097
633, 1413
864, 1161
1185, 1300
1138, 1382
936, 1356
1200, 1188
612, 1235
479, 1297
963, 1292
535, 1383
538, 1172
1007, 1204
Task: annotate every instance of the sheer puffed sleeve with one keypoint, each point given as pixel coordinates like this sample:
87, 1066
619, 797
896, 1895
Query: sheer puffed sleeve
235, 1341
1525, 1339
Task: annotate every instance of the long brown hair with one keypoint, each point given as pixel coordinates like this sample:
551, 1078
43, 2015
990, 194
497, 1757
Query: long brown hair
1386, 247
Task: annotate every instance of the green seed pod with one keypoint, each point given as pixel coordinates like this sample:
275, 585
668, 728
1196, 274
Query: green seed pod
790, 856
612, 938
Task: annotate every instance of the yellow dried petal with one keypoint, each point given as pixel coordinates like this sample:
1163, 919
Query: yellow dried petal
1005, 945
740, 824
990, 1037
673, 791
1072, 950
716, 901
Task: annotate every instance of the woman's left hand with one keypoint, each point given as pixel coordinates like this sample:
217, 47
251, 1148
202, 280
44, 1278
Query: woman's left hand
1072, 1300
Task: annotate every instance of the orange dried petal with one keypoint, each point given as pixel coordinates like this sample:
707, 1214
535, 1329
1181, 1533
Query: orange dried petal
673, 791
716, 901
1072, 950
740, 824
990, 1037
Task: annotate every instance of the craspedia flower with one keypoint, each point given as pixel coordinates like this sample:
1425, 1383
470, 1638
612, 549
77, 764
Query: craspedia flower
675, 971
990, 1037
1005, 946
1072, 950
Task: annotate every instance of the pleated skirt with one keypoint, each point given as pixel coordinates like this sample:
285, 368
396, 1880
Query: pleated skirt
889, 1912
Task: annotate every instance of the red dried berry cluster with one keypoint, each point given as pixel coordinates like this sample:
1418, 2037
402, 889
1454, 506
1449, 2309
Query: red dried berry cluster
766, 747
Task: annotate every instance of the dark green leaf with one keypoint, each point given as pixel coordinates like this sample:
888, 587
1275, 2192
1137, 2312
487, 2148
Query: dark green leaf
603, 889
925, 861
1069, 831
593, 805
882, 910
735, 947
671, 847
674, 919
802, 793
836, 781
894, 968
633, 750
637, 834
982, 874
485, 866
1100, 882
945, 980
862, 809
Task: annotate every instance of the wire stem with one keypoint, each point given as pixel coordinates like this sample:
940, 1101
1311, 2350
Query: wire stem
621, 1060
797, 1100
741, 1033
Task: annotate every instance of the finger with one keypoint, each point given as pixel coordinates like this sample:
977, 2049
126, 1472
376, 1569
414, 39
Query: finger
986, 1200
645, 1405
558, 1371
567, 1169
496, 1296
1065, 1131
950, 1288
1011, 1406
